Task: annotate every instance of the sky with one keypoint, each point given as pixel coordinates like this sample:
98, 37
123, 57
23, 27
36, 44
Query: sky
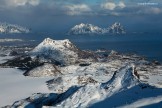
60, 15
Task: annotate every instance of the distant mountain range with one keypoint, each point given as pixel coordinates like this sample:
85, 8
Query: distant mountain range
12, 28
82, 28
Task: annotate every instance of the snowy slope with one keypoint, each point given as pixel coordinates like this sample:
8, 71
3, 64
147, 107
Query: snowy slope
82, 28
122, 89
91, 93
11, 28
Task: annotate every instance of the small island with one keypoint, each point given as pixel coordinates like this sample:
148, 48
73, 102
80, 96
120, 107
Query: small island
12, 28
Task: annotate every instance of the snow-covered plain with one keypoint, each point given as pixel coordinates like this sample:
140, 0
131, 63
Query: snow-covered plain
15, 86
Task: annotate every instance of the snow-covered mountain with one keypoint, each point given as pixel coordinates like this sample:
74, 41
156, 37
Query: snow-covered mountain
56, 52
85, 29
82, 28
12, 28
116, 28
62, 51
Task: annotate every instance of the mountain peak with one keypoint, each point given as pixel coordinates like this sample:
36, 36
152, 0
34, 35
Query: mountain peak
49, 41
82, 24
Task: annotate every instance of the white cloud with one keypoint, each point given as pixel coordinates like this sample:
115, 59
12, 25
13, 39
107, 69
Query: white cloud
112, 5
77, 9
22, 2
121, 5
108, 5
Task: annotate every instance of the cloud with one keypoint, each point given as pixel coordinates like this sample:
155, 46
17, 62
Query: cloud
22, 2
121, 5
108, 5
77, 9
112, 5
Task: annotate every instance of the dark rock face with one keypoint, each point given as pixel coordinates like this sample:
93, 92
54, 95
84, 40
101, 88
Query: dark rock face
84, 64
87, 55
23, 62
13, 53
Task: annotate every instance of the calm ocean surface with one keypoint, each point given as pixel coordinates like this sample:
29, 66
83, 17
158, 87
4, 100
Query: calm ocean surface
148, 45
